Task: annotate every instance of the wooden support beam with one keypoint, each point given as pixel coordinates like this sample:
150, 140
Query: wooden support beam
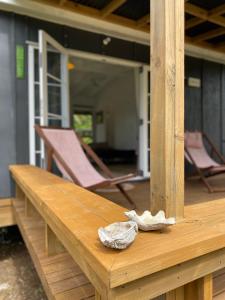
177, 294
6, 213
167, 107
220, 46
111, 7
30, 210
196, 11
97, 295
204, 14
200, 289
19, 193
193, 22
62, 2
95, 13
143, 21
219, 10
209, 34
52, 245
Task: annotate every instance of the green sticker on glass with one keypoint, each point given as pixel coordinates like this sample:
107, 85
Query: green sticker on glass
19, 62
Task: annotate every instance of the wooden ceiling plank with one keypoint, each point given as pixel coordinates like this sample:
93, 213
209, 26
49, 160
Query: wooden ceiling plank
111, 7
143, 20
209, 34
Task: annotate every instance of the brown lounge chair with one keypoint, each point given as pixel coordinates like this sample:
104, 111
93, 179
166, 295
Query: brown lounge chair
69, 153
197, 155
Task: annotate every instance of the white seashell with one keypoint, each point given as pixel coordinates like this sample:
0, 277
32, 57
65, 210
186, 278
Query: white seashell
118, 235
147, 221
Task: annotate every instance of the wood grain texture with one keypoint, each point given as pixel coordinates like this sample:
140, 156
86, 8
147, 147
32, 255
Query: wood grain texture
52, 244
201, 289
6, 213
167, 107
75, 214
61, 278
177, 294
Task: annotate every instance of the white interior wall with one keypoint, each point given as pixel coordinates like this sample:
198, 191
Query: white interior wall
118, 102
109, 89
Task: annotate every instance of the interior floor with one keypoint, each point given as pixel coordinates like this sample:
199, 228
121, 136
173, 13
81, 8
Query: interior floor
195, 191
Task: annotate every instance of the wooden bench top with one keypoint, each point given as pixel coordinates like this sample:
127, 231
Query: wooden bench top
76, 214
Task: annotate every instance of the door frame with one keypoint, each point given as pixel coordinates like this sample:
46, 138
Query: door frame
96, 57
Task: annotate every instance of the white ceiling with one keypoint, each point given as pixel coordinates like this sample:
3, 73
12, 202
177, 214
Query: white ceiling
89, 77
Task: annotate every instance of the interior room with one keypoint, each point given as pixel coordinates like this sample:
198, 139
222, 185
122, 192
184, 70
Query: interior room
104, 110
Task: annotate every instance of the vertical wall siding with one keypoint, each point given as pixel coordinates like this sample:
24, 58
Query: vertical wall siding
7, 102
21, 92
204, 107
193, 96
223, 108
211, 96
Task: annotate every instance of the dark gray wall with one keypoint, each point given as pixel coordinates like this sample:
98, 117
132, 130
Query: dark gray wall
204, 107
7, 103
16, 30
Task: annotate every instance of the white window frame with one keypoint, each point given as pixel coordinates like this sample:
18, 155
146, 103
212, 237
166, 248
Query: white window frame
144, 149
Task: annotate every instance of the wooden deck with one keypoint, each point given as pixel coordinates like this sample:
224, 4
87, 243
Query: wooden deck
60, 276
37, 188
195, 191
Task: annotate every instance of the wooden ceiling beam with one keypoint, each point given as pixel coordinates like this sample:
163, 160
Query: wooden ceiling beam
193, 22
204, 14
95, 13
219, 10
143, 20
62, 2
196, 11
209, 34
111, 7
205, 45
221, 46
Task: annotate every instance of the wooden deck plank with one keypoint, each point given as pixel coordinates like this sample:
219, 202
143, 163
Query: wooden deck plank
60, 276
76, 214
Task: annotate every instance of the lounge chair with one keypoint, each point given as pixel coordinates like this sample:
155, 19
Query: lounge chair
197, 155
70, 153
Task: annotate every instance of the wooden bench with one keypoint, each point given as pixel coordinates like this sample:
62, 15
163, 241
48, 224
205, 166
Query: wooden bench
59, 223
6, 213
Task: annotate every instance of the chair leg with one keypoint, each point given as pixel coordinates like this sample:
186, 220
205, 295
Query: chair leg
120, 187
204, 180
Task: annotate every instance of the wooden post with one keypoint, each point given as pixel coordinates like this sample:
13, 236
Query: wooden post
19, 193
167, 107
97, 295
30, 210
52, 245
177, 294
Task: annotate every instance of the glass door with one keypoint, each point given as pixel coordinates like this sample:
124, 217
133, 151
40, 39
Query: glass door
48, 91
144, 125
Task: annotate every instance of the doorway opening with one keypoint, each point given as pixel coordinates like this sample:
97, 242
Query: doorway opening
105, 99
104, 108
